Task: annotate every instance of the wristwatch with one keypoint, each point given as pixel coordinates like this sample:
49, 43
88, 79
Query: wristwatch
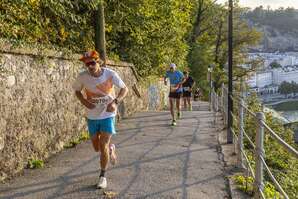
116, 101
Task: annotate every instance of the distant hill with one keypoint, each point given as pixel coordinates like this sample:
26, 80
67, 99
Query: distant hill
279, 27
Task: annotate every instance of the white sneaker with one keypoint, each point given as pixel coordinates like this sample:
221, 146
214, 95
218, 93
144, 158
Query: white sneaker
102, 183
113, 156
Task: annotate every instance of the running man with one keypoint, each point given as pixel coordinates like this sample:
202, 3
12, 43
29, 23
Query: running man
94, 89
176, 79
197, 94
187, 85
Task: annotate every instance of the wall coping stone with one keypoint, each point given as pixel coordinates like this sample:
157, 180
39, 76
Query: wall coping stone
7, 47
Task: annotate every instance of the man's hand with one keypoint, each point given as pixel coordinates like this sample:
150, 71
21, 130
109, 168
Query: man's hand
111, 107
83, 101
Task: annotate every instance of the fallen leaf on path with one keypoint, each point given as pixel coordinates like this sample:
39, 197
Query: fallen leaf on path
110, 194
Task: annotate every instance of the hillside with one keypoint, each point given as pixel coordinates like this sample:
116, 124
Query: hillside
279, 28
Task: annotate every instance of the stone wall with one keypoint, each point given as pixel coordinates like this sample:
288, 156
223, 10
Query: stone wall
39, 113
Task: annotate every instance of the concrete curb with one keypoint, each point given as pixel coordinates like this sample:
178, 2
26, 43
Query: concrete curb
230, 160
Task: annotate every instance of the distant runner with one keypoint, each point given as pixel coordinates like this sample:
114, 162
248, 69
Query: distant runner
176, 79
187, 85
197, 94
94, 88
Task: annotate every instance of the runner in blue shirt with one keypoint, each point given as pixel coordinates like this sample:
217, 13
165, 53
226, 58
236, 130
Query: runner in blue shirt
176, 79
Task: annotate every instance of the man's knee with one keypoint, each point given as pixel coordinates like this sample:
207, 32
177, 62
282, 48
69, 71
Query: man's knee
104, 144
95, 143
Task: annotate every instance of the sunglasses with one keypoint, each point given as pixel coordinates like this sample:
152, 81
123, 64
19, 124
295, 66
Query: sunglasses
92, 63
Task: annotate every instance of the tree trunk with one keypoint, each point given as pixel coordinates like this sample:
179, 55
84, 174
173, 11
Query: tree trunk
218, 42
100, 42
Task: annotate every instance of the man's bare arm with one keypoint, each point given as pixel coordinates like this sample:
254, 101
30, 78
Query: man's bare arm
83, 101
122, 93
165, 80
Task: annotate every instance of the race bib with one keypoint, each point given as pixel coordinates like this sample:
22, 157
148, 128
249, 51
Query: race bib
102, 103
173, 88
186, 88
102, 100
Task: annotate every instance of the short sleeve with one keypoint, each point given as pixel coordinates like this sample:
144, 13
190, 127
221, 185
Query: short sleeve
181, 76
117, 81
77, 85
167, 74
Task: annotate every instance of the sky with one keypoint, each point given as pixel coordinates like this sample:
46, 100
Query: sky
274, 4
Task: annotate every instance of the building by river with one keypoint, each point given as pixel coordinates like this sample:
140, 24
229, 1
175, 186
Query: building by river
268, 81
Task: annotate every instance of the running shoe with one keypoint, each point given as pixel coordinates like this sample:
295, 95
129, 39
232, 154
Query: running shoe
179, 115
174, 123
102, 183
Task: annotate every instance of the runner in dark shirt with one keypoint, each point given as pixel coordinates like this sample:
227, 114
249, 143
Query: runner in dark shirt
197, 94
187, 85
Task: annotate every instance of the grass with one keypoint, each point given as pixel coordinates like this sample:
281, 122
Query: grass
82, 137
246, 185
35, 164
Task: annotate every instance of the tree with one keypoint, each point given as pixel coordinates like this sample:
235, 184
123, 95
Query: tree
275, 65
210, 46
286, 88
148, 33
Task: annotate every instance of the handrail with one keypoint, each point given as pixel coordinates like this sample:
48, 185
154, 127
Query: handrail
261, 125
248, 163
234, 117
274, 180
248, 138
236, 137
262, 194
286, 146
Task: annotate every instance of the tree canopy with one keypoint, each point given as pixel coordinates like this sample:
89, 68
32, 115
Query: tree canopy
283, 19
148, 33
288, 88
209, 43
275, 64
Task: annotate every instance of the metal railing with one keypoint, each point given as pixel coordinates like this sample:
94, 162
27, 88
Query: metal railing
218, 103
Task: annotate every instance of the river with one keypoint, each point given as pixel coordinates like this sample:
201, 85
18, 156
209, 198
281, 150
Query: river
288, 110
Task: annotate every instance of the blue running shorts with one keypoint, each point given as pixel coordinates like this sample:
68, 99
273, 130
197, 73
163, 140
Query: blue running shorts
101, 125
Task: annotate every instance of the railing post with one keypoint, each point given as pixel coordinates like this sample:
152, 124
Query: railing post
241, 126
222, 97
240, 138
259, 185
212, 100
223, 103
211, 95
217, 103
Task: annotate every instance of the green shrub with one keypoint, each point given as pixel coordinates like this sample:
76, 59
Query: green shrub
82, 137
35, 164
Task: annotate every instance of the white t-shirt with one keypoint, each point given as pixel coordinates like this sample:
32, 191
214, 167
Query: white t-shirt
100, 90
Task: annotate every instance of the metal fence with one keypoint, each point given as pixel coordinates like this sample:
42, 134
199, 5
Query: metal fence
218, 103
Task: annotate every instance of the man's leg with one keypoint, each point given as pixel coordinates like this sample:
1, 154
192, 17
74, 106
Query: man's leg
95, 142
189, 103
185, 105
104, 143
172, 108
178, 106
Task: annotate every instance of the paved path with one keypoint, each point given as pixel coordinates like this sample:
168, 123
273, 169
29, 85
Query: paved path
155, 161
